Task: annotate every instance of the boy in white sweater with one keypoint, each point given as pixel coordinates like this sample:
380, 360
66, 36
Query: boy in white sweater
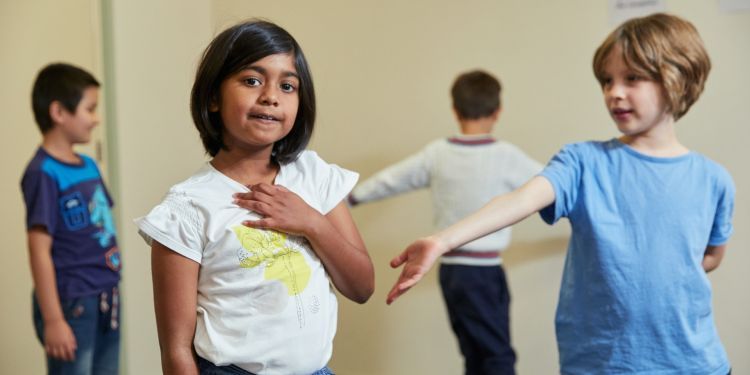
463, 173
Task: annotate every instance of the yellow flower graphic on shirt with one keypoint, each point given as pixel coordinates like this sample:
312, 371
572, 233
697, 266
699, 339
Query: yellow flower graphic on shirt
282, 262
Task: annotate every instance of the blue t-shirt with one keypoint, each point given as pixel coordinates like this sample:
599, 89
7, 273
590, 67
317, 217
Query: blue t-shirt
72, 203
634, 297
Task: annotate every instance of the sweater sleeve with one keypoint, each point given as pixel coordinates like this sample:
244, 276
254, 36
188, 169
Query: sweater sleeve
409, 174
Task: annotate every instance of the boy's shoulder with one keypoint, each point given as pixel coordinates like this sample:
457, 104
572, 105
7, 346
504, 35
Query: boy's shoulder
35, 163
713, 169
590, 148
593, 145
481, 144
45, 170
461, 141
42, 161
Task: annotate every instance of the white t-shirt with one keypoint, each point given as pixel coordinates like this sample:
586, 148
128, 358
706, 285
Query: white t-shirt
265, 302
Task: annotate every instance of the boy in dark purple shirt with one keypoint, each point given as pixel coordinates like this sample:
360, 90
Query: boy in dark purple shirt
75, 261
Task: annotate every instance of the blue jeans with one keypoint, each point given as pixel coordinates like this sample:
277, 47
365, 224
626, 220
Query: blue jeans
95, 323
208, 368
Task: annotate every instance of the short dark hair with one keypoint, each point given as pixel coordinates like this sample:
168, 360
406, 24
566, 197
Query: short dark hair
476, 94
59, 82
231, 51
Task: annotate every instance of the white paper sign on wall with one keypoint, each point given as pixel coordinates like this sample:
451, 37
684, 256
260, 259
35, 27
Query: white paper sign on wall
734, 5
623, 10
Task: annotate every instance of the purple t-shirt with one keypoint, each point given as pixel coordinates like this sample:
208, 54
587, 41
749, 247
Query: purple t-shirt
72, 203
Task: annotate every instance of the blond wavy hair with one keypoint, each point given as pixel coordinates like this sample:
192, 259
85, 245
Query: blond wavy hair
665, 49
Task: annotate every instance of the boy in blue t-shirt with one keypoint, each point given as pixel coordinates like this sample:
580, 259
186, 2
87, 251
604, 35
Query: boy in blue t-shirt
75, 261
649, 217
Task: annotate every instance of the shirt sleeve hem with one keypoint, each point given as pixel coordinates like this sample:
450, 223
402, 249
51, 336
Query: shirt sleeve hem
150, 233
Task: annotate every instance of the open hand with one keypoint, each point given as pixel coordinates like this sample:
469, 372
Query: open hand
282, 210
417, 259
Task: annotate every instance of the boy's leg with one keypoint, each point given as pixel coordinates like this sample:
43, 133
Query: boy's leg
81, 315
477, 300
107, 352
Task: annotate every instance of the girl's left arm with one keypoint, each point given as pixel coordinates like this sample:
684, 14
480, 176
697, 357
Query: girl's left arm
333, 236
339, 246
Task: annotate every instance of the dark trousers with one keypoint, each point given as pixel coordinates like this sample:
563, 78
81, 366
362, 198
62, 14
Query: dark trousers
478, 300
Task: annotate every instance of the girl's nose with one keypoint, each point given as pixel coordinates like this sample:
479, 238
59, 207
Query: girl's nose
268, 97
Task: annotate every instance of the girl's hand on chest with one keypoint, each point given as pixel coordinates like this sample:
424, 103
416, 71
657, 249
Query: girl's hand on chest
280, 208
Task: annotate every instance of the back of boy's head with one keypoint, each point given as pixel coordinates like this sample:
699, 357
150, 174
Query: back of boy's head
230, 52
59, 82
476, 94
663, 48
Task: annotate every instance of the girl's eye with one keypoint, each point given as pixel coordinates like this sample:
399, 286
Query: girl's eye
288, 87
252, 81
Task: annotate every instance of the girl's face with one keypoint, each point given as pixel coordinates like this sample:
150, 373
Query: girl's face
637, 104
258, 104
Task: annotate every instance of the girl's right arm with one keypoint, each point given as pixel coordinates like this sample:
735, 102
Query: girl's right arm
59, 340
500, 212
175, 280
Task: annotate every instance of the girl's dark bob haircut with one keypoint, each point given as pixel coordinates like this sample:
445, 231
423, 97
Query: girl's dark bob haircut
231, 51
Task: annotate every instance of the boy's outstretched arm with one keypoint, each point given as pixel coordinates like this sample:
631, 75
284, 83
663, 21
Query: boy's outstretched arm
499, 213
712, 257
407, 175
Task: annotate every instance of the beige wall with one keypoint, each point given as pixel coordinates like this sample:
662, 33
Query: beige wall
32, 34
154, 47
382, 72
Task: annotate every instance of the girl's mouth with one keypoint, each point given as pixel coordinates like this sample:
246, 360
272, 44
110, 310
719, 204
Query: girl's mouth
263, 117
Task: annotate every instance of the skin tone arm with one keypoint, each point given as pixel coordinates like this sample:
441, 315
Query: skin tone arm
59, 340
175, 280
333, 236
499, 213
712, 257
